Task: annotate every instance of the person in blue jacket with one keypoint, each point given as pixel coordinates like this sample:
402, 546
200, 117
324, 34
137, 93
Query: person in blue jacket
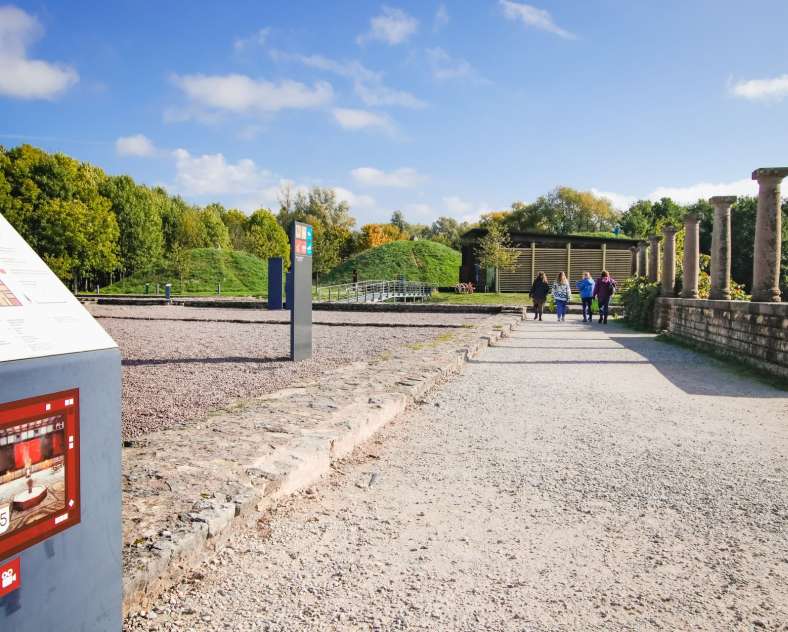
586, 288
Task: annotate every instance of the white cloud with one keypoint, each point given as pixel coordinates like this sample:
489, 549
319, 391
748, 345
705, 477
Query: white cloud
619, 201
211, 174
24, 78
362, 119
457, 206
444, 66
136, 145
353, 199
367, 84
258, 39
705, 190
400, 178
393, 26
533, 17
684, 194
242, 94
441, 18
775, 89
420, 208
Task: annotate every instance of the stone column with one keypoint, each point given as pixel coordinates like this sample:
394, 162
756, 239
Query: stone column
669, 261
633, 261
766, 259
691, 270
721, 248
643, 259
653, 258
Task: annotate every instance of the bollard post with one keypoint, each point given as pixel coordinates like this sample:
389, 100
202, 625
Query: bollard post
147, 285
219, 289
168, 292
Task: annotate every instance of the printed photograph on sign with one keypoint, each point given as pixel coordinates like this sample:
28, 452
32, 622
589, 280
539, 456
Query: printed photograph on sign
38, 469
7, 297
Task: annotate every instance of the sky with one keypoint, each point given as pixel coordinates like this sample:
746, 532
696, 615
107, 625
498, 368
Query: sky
433, 108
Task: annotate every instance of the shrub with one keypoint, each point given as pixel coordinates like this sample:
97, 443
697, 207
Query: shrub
638, 296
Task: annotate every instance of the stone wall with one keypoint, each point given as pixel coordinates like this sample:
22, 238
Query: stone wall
755, 333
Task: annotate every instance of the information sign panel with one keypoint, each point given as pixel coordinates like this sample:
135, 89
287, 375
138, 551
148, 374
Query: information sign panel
39, 469
39, 316
301, 247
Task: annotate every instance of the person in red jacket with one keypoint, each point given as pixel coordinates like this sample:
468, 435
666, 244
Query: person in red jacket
604, 289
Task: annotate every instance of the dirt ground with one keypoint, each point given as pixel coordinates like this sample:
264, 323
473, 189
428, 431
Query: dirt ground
574, 478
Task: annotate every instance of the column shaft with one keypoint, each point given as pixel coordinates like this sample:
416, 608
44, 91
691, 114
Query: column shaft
654, 257
669, 261
643, 259
721, 248
766, 258
691, 263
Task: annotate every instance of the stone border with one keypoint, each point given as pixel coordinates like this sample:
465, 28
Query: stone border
416, 308
187, 488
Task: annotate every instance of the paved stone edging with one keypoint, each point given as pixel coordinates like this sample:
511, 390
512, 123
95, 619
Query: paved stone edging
186, 488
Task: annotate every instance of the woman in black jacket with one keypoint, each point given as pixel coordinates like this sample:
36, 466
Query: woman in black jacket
539, 291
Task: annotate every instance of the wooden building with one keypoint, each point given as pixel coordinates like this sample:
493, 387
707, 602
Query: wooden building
550, 253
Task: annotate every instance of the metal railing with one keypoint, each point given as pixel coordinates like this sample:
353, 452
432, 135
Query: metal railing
372, 291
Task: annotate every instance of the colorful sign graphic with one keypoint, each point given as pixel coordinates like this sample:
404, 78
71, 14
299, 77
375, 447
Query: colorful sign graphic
39, 469
10, 577
304, 238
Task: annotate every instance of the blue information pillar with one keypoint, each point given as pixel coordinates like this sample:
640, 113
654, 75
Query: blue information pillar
299, 297
275, 283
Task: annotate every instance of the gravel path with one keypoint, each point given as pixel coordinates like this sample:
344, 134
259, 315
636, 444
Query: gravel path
175, 370
574, 478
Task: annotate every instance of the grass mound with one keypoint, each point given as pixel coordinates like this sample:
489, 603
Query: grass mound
426, 261
199, 272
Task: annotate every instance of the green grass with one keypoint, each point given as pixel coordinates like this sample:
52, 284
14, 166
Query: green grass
481, 298
426, 261
239, 273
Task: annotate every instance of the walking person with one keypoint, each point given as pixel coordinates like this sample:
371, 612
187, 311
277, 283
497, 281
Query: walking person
604, 288
586, 288
561, 293
539, 291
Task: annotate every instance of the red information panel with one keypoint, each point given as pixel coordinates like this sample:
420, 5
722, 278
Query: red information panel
39, 469
10, 577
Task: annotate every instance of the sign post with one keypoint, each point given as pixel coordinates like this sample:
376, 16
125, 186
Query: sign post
60, 472
299, 300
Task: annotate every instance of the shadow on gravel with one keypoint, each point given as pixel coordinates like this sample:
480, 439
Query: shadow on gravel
228, 360
559, 361
695, 372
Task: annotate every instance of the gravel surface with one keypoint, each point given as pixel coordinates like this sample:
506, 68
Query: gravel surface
176, 370
574, 478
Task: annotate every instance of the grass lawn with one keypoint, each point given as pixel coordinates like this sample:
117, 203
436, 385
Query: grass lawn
481, 298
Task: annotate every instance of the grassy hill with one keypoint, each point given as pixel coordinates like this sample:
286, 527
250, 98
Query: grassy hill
417, 260
238, 272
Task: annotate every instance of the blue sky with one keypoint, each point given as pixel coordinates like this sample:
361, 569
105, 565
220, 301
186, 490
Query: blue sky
433, 108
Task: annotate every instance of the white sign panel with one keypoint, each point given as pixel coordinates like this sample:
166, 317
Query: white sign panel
38, 315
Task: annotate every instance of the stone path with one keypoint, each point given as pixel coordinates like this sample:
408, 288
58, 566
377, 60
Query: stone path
574, 478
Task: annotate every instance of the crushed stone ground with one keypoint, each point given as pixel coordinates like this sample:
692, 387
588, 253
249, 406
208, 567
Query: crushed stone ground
179, 363
574, 478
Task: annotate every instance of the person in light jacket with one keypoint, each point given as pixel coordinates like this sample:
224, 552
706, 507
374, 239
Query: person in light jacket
604, 289
562, 293
586, 288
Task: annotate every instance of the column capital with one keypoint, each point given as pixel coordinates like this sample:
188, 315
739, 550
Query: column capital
723, 201
654, 238
669, 230
691, 218
770, 172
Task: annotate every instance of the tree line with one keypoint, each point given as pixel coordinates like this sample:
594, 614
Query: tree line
91, 227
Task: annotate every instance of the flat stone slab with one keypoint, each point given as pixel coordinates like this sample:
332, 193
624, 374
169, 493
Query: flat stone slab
185, 487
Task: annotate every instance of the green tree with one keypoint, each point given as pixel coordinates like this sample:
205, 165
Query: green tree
495, 250
446, 230
637, 221
215, 232
320, 203
235, 221
141, 241
265, 237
